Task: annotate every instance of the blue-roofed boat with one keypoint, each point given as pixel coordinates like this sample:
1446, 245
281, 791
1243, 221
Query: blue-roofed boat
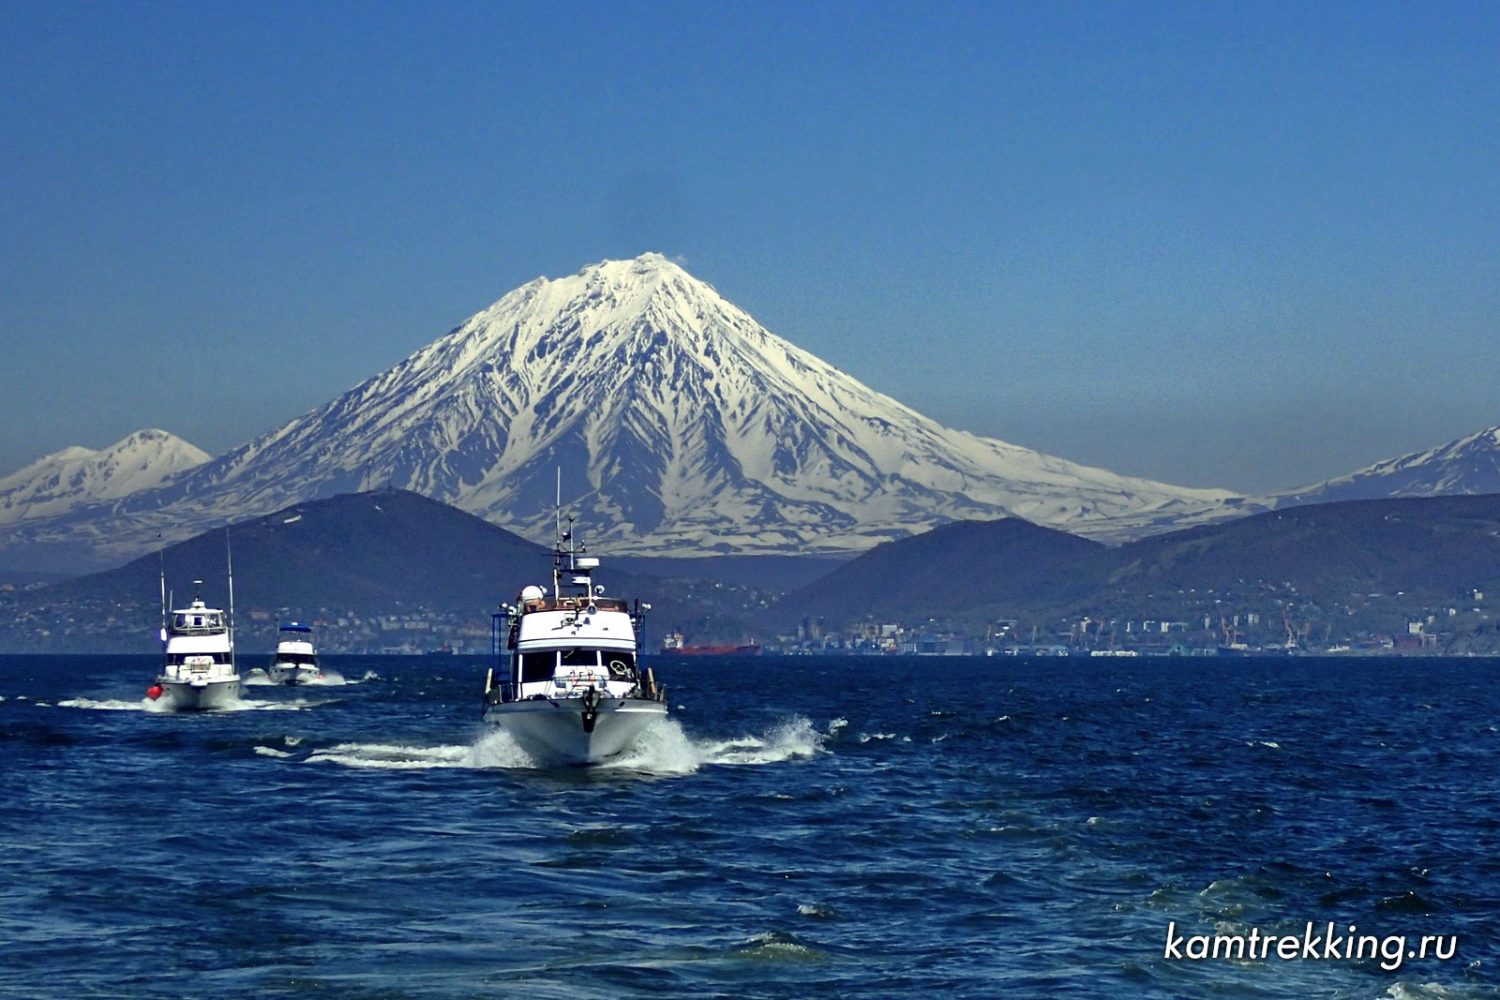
296, 660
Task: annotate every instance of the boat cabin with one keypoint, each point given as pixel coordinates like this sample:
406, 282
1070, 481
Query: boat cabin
197, 619
564, 646
197, 642
295, 646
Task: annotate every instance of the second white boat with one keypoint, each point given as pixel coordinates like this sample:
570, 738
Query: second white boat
296, 660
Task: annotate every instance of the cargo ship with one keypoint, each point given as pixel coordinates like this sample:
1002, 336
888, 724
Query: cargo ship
682, 649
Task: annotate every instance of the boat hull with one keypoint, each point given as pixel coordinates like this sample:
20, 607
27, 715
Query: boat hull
292, 674
190, 696
553, 730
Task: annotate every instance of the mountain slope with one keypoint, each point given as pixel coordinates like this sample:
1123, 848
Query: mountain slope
379, 553
1427, 547
1469, 465
1328, 560
966, 565
73, 477
679, 424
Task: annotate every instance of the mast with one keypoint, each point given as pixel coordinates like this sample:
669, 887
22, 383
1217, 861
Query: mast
161, 565
229, 560
558, 539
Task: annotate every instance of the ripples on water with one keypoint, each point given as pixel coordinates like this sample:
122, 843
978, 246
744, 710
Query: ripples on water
799, 827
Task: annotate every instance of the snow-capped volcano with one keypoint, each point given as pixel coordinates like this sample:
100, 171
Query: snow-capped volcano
679, 424
56, 483
1468, 465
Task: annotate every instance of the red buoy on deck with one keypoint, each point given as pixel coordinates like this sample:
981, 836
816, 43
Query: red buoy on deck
154, 692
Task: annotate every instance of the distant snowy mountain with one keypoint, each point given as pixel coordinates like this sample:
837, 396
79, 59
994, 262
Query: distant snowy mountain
1469, 465
679, 424
73, 477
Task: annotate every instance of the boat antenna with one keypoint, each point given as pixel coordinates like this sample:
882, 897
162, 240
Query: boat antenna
229, 561
161, 565
557, 534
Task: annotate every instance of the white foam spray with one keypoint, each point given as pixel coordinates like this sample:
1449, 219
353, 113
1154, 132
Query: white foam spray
389, 756
663, 749
103, 705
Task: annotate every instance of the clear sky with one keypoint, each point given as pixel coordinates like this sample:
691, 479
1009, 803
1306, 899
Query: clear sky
1249, 245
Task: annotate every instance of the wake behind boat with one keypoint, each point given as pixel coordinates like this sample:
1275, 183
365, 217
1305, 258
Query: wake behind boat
573, 690
296, 660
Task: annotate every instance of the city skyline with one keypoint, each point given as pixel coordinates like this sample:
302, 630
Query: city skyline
1241, 247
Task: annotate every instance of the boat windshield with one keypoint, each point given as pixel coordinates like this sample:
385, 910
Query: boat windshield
621, 666
538, 666
542, 666
580, 658
197, 621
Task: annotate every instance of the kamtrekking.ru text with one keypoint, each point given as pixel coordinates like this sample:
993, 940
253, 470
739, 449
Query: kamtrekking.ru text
1313, 944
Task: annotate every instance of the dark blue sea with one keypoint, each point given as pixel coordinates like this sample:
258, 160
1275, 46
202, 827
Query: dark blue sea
801, 827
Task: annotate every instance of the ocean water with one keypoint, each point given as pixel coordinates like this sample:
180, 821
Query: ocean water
801, 827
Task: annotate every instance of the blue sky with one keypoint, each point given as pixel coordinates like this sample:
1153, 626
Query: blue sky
1243, 245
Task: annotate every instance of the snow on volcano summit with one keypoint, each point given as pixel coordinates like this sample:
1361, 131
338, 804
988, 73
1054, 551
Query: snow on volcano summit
57, 483
680, 425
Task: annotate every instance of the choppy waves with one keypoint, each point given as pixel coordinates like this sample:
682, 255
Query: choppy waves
796, 828
163, 707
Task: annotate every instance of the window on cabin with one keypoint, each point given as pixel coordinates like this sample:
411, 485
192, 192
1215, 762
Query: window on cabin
580, 658
537, 667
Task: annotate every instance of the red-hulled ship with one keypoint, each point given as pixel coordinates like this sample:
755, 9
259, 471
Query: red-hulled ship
676, 647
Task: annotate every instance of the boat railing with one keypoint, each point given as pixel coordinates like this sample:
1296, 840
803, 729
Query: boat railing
499, 694
574, 604
503, 692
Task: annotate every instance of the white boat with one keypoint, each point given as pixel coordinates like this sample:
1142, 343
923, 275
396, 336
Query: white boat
296, 660
571, 689
198, 671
